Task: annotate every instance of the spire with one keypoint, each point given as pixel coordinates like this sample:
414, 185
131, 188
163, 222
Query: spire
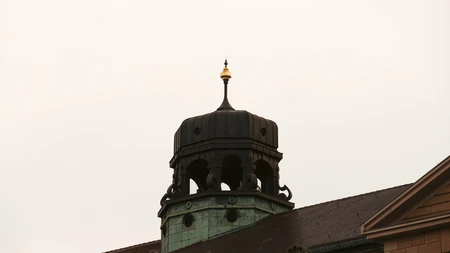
225, 75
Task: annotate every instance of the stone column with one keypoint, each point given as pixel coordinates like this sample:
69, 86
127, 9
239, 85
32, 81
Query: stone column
249, 179
214, 177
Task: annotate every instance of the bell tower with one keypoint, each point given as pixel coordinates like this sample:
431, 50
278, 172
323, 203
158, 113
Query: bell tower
232, 159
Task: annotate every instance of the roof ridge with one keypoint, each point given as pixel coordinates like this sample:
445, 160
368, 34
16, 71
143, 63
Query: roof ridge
134, 246
354, 196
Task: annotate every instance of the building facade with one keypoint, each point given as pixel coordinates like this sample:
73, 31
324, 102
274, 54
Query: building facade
231, 156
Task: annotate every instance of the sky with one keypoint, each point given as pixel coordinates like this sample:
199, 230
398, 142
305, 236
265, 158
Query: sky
92, 92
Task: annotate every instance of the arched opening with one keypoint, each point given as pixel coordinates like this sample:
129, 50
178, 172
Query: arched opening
224, 187
193, 187
258, 185
232, 172
197, 172
265, 175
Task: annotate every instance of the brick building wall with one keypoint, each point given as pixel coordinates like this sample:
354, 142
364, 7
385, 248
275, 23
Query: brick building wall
425, 239
437, 241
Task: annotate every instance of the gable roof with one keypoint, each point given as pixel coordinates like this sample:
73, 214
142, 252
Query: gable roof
388, 220
311, 226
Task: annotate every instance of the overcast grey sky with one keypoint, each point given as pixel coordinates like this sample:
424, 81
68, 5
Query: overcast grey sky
91, 93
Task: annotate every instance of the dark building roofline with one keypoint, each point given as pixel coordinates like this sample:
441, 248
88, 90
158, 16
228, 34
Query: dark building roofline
329, 224
354, 196
301, 229
150, 245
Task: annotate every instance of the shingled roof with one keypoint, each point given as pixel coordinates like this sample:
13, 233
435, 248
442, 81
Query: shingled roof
311, 226
148, 247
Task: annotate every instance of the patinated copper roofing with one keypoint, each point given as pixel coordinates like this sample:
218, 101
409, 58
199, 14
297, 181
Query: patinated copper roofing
312, 227
226, 124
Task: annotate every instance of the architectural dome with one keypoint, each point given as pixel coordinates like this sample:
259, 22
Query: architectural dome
226, 125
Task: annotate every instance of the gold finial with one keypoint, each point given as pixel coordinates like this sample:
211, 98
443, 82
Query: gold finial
226, 74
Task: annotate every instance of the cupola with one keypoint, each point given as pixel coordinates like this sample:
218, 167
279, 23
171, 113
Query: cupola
231, 156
